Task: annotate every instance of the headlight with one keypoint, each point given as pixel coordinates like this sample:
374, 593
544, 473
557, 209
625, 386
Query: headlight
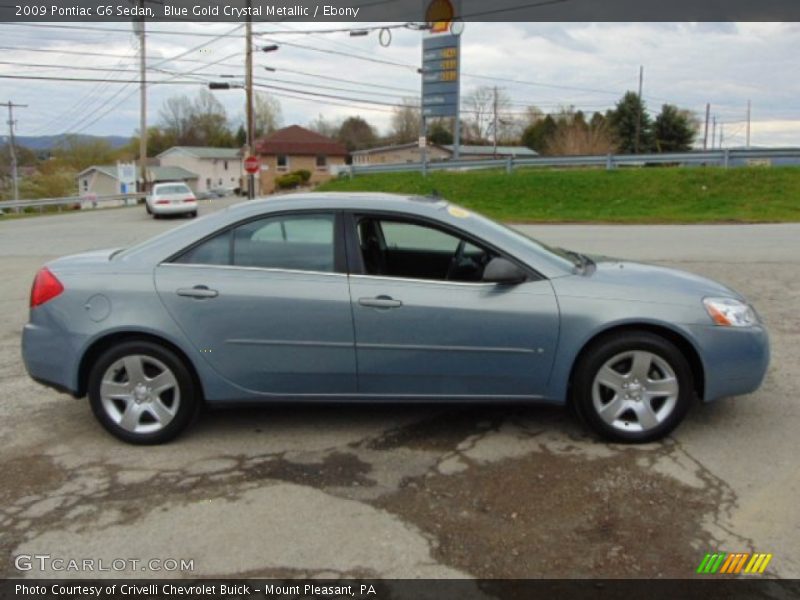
730, 312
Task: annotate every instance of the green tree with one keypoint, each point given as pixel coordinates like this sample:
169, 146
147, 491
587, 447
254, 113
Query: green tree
674, 129
53, 180
537, 135
623, 120
438, 133
241, 136
355, 133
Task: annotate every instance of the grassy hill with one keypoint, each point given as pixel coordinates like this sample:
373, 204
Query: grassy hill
648, 195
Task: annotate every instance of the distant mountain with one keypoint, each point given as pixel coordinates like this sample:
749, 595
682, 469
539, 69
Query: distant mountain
46, 142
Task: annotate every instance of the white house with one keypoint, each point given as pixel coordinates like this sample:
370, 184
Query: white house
215, 167
108, 180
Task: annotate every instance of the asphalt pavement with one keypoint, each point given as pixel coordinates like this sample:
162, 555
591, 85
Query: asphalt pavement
414, 491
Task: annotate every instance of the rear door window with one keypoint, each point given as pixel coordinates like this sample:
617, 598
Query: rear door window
295, 242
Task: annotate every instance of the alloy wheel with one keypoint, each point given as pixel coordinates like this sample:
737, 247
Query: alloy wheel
635, 391
140, 393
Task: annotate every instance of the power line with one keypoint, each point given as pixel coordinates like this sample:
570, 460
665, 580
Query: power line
83, 102
90, 80
113, 69
114, 30
340, 53
82, 123
290, 31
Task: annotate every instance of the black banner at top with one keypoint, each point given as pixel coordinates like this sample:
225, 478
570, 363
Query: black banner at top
398, 11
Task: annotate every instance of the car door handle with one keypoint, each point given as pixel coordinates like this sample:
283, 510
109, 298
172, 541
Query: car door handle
380, 302
198, 291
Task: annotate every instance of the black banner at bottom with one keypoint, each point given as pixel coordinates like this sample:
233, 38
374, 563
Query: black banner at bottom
385, 589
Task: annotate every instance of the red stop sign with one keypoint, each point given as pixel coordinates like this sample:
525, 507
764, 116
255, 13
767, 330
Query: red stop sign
252, 164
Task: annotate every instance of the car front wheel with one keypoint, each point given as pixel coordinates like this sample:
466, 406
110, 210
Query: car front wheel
633, 387
142, 393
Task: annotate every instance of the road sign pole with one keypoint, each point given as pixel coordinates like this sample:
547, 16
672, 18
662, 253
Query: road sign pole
425, 147
457, 124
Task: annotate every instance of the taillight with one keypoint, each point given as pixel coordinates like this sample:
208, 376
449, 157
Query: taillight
189, 200
45, 287
162, 201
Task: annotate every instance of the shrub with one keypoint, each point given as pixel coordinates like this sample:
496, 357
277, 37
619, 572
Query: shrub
288, 181
304, 175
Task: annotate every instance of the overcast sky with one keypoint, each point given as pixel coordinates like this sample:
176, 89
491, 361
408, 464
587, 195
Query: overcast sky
587, 65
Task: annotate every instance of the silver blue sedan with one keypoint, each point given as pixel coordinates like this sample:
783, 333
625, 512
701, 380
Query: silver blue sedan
377, 298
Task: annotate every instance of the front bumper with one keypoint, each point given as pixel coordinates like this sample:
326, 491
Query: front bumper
735, 359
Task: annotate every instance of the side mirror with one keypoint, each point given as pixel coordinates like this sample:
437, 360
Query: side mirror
501, 270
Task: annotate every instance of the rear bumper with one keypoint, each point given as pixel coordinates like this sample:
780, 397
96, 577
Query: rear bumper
48, 358
173, 209
735, 359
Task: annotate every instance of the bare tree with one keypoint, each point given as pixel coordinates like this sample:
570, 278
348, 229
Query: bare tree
268, 114
573, 136
486, 106
210, 121
405, 125
324, 127
199, 122
176, 117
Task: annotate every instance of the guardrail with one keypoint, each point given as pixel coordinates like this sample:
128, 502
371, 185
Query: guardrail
725, 158
67, 200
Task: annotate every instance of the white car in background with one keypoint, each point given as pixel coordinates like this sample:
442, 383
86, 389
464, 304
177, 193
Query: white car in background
171, 198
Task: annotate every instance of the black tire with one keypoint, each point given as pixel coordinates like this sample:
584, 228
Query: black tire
147, 208
192, 215
606, 349
188, 398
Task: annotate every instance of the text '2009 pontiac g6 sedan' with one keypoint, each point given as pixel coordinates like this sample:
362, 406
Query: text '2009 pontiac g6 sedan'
371, 297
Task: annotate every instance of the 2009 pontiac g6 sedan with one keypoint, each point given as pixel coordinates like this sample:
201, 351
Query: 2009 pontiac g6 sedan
371, 297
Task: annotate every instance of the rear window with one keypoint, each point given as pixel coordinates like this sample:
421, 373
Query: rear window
176, 188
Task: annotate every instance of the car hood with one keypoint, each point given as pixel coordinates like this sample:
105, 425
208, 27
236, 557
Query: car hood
627, 280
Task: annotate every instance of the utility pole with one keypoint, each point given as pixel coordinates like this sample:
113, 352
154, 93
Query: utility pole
639, 114
139, 27
713, 131
721, 134
747, 144
248, 84
11, 144
495, 121
705, 135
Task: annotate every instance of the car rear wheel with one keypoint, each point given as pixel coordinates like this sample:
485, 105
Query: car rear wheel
632, 387
142, 393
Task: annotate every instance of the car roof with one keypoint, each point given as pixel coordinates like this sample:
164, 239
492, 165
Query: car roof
342, 201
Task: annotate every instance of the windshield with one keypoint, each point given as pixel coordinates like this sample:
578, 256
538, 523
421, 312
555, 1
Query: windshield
568, 260
176, 188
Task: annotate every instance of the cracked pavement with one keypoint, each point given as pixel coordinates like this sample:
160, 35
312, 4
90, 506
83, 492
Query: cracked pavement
410, 491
